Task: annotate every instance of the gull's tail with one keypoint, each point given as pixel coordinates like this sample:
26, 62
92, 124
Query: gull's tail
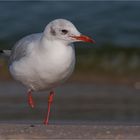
5, 54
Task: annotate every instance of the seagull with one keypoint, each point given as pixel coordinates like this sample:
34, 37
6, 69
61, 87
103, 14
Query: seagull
43, 61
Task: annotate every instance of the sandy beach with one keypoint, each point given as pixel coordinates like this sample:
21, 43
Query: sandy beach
84, 132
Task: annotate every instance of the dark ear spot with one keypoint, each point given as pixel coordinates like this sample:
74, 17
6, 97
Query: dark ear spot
52, 31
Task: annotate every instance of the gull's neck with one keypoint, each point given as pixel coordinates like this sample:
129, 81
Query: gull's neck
45, 42
56, 49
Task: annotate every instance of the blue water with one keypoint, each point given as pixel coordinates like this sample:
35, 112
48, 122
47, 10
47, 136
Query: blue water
107, 22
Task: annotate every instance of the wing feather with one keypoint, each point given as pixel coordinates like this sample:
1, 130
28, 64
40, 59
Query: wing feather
20, 49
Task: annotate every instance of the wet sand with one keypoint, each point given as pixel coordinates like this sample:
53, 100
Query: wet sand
84, 132
73, 102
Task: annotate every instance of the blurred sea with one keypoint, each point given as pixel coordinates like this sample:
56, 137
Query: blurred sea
114, 22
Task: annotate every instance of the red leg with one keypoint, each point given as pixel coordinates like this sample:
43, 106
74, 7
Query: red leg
30, 99
50, 100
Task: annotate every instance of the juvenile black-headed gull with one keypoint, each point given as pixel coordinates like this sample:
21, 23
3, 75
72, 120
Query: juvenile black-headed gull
42, 61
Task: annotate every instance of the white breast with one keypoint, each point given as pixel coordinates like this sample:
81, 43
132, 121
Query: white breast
45, 68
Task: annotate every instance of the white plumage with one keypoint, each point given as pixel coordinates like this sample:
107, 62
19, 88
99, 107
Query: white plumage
42, 61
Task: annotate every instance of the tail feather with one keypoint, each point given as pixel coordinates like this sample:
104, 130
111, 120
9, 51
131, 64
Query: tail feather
5, 53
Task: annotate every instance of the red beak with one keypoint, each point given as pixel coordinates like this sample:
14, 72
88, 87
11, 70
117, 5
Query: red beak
84, 38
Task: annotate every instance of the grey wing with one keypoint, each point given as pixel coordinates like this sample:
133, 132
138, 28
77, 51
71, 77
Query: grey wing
20, 49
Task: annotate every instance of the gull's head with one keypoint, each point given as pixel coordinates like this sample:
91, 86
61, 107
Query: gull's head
65, 31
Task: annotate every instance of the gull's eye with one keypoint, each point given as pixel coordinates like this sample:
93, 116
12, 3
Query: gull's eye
64, 31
